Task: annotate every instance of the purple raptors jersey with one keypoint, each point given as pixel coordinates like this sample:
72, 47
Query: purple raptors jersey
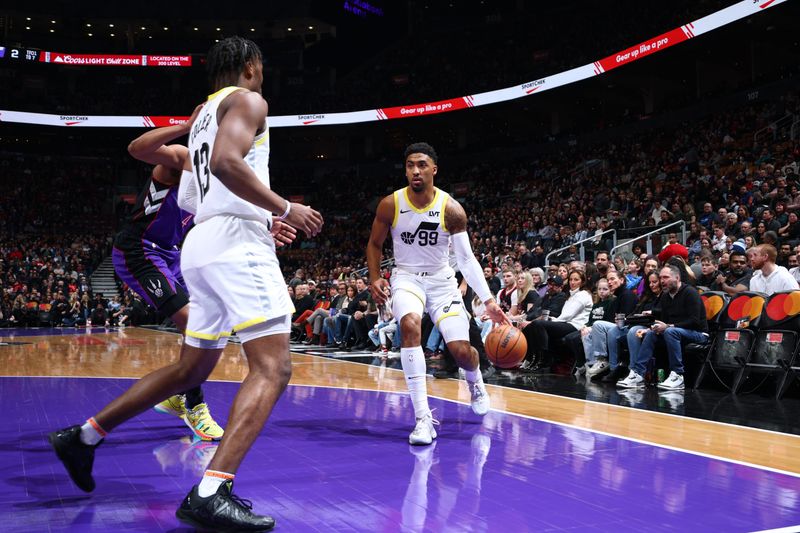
156, 223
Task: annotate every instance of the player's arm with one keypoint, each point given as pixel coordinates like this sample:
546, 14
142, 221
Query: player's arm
169, 160
239, 118
380, 228
456, 221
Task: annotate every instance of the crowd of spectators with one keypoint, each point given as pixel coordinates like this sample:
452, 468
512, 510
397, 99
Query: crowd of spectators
55, 229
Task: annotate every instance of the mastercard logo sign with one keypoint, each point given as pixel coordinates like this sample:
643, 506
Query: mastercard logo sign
749, 307
783, 306
714, 304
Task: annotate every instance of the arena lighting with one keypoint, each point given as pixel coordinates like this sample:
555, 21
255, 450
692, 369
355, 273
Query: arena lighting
738, 11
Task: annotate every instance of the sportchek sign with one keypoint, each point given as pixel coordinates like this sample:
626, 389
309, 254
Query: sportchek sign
115, 60
738, 11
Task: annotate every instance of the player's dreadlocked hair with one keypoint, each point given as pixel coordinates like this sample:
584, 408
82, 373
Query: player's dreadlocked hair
422, 148
229, 56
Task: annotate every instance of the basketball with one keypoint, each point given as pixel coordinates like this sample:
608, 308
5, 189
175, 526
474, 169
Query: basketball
506, 347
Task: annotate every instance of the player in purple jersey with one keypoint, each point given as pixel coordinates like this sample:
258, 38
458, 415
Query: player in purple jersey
146, 255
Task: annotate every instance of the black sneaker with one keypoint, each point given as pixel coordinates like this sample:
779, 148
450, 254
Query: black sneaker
77, 457
615, 375
221, 512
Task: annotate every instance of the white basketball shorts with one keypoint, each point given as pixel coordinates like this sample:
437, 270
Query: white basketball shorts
234, 281
434, 292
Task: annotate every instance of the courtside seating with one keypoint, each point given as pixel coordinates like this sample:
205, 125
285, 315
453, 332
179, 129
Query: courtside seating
737, 328
778, 339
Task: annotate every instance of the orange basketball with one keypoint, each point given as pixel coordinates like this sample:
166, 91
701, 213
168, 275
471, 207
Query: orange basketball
506, 347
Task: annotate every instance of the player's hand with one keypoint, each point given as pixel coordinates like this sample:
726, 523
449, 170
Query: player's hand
305, 219
378, 290
496, 314
283, 233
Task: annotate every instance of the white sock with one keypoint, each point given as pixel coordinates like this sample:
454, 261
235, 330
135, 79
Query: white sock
474, 376
92, 433
211, 481
413, 361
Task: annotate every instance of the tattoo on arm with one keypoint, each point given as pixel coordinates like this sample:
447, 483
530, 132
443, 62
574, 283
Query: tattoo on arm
455, 218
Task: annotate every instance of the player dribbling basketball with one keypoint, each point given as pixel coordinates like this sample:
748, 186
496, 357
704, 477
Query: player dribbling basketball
423, 221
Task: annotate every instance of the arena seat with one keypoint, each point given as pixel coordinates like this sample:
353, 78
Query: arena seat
737, 328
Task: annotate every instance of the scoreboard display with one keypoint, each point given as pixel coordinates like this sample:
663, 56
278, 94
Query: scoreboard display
19, 54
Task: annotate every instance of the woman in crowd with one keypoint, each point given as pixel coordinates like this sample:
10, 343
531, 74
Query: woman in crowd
528, 305
539, 281
601, 310
635, 334
543, 334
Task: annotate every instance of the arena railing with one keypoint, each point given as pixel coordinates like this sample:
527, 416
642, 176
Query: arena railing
619, 248
582, 250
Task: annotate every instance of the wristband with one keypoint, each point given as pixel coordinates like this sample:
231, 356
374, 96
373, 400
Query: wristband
288, 210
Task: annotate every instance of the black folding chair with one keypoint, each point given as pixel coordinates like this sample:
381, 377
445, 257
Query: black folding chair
737, 328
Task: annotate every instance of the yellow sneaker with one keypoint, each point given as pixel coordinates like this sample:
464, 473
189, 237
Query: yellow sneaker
202, 425
174, 405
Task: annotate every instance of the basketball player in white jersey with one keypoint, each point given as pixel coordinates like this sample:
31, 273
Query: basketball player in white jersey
423, 221
234, 282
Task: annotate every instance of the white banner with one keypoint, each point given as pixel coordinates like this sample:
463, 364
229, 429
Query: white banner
711, 22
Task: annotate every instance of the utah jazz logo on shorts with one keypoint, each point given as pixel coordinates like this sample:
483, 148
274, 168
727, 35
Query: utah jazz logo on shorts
446, 308
426, 231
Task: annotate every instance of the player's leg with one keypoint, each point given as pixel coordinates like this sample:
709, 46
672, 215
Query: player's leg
252, 294
408, 306
270, 368
455, 330
446, 308
75, 445
210, 504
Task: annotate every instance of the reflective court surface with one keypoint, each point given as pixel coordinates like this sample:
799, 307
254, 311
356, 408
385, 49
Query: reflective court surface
334, 456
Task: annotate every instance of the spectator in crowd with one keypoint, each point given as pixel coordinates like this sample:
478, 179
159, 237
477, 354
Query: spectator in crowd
543, 334
708, 272
537, 276
491, 279
633, 278
680, 317
768, 277
737, 278
597, 358
580, 342
794, 270
529, 303
507, 296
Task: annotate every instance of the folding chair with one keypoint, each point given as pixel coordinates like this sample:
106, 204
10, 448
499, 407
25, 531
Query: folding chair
737, 326
779, 339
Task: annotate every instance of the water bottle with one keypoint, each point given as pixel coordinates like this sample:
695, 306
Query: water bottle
661, 376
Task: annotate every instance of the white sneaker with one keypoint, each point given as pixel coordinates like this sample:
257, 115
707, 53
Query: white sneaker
479, 398
632, 381
673, 382
597, 368
424, 432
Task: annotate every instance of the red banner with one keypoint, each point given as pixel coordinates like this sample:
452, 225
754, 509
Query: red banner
651, 46
159, 122
168, 61
431, 108
115, 60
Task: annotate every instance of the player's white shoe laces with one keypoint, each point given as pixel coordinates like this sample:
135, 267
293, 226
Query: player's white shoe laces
424, 432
